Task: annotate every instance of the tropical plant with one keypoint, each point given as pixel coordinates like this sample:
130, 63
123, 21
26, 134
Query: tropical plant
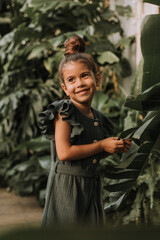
31, 48
138, 188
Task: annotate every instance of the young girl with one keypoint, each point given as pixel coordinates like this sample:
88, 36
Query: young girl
81, 137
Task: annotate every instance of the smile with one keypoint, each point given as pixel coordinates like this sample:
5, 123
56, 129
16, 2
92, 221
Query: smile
82, 92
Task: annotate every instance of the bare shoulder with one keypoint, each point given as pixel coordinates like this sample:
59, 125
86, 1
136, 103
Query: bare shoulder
60, 125
62, 132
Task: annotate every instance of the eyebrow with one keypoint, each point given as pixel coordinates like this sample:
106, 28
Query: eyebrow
69, 77
88, 72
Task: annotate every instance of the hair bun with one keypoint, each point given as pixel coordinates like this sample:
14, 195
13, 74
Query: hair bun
73, 45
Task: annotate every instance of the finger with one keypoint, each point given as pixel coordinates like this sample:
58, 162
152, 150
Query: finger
127, 143
128, 139
119, 145
115, 138
122, 150
120, 142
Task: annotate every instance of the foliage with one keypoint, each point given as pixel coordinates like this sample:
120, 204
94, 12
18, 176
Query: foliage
31, 48
139, 197
156, 2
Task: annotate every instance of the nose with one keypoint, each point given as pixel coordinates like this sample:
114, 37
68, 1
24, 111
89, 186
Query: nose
79, 83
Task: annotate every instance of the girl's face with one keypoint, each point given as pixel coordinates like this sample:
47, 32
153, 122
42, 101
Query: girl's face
79, 82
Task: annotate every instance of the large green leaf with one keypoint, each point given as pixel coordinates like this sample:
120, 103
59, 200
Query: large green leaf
149, 100
137, 134
122, 186
99, 100
145, 158
100, 46
37, 51
150, 134
36, 144
150, 39
156, 2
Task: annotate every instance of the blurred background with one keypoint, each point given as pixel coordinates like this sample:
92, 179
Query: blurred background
32, 33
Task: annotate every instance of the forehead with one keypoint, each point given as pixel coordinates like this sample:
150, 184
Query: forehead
75, 66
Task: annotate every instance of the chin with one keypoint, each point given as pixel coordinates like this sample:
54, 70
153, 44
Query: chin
83, 101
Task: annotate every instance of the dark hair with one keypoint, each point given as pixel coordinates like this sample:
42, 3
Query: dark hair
75, 51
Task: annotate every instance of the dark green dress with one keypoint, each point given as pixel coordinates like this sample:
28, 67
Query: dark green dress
74, 188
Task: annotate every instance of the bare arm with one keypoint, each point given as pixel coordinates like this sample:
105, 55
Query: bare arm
68, 152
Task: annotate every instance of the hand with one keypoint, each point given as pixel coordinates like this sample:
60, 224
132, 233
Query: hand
114, 144
127, 144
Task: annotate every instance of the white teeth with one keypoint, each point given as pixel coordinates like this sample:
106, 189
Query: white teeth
83, 91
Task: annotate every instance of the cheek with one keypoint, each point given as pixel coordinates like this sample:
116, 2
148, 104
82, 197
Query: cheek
70, 88
93, 85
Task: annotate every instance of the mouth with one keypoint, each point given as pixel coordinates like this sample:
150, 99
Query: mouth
83, 91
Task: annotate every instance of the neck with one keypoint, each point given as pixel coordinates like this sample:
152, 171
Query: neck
84, 108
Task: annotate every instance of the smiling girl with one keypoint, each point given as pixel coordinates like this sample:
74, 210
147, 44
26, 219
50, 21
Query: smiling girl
81, 137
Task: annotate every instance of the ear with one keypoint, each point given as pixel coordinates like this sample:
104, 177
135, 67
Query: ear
98, 79
64, 89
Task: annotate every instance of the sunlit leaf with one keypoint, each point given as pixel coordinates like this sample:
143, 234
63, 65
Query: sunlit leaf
45, 162
37, 52
108, 57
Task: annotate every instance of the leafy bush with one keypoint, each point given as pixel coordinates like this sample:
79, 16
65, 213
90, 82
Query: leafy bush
30, 52
139, 198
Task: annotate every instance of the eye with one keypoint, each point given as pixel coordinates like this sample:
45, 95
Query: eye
71, 79
85, 75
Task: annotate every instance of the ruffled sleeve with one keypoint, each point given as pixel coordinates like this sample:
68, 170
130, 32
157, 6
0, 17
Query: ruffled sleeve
66, 110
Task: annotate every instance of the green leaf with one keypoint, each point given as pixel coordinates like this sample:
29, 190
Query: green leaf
149, 100
48, 64
155, 148
56, 41
155, 2
37, 52
124, 11
24, 166
122, 174
138, 161
141, 129
45, 162
100, 46
126, 41
150, 134
37, 144
108, 57
99, 100
151, 52
146, 147
123, 186
116, 205
128, 133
